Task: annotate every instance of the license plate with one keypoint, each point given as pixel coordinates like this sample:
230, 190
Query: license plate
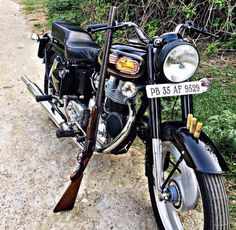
169, 90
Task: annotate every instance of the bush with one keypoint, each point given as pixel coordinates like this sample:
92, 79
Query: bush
156, 17
222, 128
63, 9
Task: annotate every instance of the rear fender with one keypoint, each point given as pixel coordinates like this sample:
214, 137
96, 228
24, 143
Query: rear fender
200, 154
43, 41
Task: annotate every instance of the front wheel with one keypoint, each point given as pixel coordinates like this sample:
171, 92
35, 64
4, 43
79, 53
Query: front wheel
192, 200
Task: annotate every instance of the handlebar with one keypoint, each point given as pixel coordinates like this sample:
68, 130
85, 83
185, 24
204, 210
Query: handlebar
190, 28
94, 27
100, 27
187, 27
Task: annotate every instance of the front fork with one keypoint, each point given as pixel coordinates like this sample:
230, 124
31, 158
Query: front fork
155, 122
155, 126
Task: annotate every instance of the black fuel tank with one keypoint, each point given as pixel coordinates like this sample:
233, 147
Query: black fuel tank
126, 61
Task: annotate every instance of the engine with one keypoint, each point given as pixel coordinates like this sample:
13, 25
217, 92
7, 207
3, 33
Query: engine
115, 111
114, 115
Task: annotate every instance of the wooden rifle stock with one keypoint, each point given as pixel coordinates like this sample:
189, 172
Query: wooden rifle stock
67, 201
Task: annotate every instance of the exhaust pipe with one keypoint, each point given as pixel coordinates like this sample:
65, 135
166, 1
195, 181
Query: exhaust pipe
47, 105
36, 91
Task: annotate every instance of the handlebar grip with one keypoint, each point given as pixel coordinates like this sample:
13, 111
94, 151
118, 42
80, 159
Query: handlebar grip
93, 27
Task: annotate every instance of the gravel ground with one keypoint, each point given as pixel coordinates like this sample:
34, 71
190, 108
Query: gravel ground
34, 164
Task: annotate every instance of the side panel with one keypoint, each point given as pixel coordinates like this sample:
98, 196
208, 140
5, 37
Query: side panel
200, 154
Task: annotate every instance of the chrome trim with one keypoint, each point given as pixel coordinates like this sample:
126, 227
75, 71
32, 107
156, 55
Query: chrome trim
123, 134
53, 114
178, 28
36, 91
158, 166
186, 181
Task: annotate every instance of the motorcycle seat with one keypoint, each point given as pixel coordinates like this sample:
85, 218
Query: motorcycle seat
78, 44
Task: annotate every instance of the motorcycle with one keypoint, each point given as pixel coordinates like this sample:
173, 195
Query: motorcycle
90, 93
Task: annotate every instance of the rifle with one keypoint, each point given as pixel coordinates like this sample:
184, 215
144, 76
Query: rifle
67, 200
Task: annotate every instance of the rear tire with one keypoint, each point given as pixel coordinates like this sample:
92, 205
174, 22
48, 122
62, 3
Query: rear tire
211, 206
48, 59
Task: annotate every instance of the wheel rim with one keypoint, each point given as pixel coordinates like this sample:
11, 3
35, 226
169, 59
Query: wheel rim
178, 212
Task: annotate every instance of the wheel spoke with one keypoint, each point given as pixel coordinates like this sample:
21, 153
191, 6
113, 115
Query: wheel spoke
172, 173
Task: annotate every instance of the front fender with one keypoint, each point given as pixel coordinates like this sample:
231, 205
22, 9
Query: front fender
200, 154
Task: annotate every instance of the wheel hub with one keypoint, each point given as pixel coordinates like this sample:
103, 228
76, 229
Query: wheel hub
174, 195
182, 189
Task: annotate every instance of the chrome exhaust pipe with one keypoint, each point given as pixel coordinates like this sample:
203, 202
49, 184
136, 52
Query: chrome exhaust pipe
47, 105
53, 114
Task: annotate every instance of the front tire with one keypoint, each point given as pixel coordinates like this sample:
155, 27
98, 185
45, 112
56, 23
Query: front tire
205, 207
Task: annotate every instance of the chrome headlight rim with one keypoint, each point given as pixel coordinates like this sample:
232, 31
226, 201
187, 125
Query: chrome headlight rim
162, 54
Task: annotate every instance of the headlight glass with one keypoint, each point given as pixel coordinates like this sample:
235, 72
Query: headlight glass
180, 63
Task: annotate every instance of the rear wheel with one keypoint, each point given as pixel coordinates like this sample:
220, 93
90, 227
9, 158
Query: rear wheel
49, 59
193, 200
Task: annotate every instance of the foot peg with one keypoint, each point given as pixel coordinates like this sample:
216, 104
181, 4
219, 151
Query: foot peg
43, 98
65, 133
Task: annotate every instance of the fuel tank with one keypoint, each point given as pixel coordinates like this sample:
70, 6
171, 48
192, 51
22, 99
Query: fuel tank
126, 61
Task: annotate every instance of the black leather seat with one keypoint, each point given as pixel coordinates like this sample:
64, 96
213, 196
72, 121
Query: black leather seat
78, 44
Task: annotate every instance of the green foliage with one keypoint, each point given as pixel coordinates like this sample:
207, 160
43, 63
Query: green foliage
222, 128
212, 48
63, 9
231, 43
152, 27
189, 11
156, 17
33, 5
219, 3
217, 108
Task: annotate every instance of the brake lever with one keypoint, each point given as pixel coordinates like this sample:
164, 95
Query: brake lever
189, 25
204, 31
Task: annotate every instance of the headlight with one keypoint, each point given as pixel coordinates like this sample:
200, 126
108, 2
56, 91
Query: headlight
177, 61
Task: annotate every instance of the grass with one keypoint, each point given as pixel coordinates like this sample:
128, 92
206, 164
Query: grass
33, 5
218, 109
35, 11
222, 94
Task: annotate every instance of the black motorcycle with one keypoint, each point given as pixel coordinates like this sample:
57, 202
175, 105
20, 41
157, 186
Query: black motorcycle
104, 97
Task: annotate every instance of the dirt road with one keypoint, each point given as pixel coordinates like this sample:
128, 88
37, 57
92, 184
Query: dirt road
34, 164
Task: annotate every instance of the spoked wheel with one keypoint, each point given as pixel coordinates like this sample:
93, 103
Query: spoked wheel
192, 200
